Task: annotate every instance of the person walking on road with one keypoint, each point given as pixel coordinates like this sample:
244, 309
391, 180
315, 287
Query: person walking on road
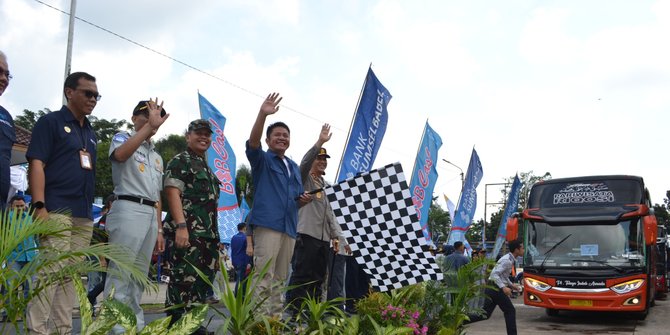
502, 289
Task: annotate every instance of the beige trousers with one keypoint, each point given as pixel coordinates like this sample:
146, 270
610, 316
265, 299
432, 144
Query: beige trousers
271, 246
57, 301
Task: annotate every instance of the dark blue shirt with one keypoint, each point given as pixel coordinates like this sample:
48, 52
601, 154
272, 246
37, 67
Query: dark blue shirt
238, 250
275, 206
57, 140
455, 261
7, 139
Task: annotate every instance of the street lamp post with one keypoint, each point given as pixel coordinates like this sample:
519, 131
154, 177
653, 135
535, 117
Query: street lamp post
459, 168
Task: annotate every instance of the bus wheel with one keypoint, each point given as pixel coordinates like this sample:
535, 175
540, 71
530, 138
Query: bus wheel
551, 312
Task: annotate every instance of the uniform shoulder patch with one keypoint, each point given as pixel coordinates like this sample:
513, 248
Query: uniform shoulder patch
121, 137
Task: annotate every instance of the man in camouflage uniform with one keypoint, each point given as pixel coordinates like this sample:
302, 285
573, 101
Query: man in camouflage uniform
192, 191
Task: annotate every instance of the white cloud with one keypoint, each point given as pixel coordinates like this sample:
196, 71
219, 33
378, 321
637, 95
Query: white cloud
544, 39
482, 75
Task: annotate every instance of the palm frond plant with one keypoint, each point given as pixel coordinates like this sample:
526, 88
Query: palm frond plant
114, 312
450, 301
243, 307
388, 330
321, 317
51, 265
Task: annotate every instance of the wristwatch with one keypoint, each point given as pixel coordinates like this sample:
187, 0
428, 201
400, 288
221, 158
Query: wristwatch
38, 204
181, 225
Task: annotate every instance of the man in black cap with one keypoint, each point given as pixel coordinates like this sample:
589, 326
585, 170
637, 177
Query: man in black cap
192, 191
317, 228
135, 219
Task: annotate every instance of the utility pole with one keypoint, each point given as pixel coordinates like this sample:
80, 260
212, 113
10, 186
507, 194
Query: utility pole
70, 35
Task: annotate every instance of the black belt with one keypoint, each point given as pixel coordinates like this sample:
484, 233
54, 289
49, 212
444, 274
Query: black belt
138, 200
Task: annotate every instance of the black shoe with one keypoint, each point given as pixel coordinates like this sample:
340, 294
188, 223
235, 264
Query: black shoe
202, 331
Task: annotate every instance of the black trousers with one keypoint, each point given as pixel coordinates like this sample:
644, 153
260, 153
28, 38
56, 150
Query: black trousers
97, 289
356, 283
496, 296
311, 257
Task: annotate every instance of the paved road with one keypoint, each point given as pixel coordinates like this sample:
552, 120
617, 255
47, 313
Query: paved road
530, 320
533, 320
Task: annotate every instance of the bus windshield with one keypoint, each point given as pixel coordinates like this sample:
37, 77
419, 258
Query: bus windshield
592, 245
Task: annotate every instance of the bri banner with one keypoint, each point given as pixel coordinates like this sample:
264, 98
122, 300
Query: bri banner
424, 177
368, 129
221, 159
468, 201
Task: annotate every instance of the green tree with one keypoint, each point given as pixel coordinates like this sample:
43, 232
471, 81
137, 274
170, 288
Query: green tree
103, 170
28, 118
474, 234
661, 211
104, 129
439, 222
527, 181
244, 185
170, 146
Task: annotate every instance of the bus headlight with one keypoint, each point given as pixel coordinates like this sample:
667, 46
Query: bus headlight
536, 284
628, 286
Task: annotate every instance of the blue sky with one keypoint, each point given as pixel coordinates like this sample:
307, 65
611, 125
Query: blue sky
567, 87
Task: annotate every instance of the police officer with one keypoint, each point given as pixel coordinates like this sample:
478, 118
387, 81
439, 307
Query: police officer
192, 192
135, 219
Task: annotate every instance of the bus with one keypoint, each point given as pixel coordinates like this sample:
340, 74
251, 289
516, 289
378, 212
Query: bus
662, 263
589, 245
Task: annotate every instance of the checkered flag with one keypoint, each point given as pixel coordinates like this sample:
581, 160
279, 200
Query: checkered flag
380, 224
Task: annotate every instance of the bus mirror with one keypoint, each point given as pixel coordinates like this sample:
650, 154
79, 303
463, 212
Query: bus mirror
512, 228
650, 229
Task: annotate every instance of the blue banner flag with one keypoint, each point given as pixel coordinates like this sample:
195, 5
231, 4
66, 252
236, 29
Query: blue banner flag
424, 177
221, 159
368, 129
244, 208
510, 208
468, 201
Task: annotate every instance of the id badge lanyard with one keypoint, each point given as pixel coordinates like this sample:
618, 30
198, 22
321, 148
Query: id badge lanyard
84, 156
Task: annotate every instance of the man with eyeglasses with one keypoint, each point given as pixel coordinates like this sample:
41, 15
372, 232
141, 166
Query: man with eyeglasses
7, 136
61, 174
135, 219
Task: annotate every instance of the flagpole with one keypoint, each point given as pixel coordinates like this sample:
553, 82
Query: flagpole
351, 125
418, 150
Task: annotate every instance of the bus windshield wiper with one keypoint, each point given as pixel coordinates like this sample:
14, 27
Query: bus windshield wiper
620, 270
548, 253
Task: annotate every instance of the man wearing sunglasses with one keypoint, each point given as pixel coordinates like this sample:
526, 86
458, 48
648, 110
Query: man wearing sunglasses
135, 219
61, 174
7, 134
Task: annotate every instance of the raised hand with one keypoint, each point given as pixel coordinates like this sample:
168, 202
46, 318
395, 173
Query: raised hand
155, 117
271, 104
325, 134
